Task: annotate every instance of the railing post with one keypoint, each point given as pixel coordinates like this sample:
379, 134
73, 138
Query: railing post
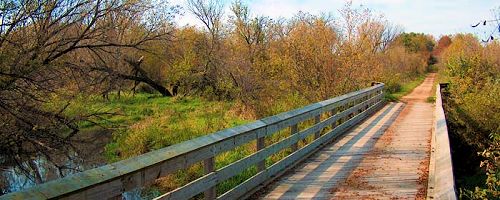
209, 167
334, 112
317, 120
261, 144
293, 130
344, 108
361, 109
356, 102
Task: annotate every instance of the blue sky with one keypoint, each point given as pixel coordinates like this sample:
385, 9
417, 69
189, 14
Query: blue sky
436, 17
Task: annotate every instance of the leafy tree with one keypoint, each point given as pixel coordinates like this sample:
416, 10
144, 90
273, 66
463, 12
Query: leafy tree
443, 43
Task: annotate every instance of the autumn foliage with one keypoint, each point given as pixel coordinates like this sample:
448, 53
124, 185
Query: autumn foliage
272, 65
472, 107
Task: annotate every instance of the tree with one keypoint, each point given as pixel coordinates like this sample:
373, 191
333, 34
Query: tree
419, 43
443, 43
61, 49
216, 79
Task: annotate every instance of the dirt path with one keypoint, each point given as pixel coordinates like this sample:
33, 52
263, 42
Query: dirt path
422, 92
384, 157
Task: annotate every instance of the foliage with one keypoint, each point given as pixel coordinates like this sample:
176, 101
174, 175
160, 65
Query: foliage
473, 104
442, 44
417, 42
491, 165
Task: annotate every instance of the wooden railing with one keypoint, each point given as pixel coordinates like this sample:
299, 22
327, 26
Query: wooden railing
441, 184
326, 120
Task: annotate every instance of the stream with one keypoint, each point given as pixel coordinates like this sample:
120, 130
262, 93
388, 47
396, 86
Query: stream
14, 178
90, 145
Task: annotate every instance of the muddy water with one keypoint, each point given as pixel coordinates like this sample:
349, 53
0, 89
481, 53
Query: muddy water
89, 153
39, 170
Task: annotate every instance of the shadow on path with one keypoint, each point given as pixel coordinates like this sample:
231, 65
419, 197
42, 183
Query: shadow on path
336, 161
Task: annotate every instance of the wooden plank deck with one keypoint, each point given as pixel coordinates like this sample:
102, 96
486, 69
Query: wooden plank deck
384, 157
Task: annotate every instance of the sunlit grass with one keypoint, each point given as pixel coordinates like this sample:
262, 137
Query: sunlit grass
405, 89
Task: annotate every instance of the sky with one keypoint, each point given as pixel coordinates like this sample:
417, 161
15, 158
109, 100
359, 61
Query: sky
436, 17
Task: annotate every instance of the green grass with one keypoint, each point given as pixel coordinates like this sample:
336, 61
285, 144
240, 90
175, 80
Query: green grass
431, 99
146, 122
405, 89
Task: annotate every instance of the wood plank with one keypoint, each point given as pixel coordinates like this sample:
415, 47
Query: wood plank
338, 129
191, 189
385, 157
170, 159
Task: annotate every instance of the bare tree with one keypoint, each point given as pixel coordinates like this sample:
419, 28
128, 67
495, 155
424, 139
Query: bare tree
60, 48
493, 26
210, 13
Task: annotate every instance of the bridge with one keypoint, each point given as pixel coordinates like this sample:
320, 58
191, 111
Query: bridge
354, 146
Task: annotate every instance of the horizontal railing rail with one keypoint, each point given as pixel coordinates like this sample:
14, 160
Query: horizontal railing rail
331, 118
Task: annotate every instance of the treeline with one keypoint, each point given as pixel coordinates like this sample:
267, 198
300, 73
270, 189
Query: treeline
55, 51
473, 112
272, 65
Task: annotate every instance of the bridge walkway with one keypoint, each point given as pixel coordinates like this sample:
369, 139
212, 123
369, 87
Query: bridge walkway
384, 157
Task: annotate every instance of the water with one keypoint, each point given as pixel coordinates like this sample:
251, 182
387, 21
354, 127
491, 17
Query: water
40, 170
14, 178
90, 146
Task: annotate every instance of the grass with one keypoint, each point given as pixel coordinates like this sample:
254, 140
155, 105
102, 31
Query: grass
431, 99
146, 122
405, 89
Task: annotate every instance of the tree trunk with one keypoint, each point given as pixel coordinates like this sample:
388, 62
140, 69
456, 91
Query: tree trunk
163, 91
145, 78
140, 76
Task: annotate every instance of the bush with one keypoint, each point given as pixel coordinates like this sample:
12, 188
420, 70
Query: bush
473, 107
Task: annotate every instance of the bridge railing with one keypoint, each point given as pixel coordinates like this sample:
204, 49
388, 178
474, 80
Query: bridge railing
326, 120
441, 184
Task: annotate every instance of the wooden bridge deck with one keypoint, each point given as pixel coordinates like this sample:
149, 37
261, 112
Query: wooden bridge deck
385, 157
